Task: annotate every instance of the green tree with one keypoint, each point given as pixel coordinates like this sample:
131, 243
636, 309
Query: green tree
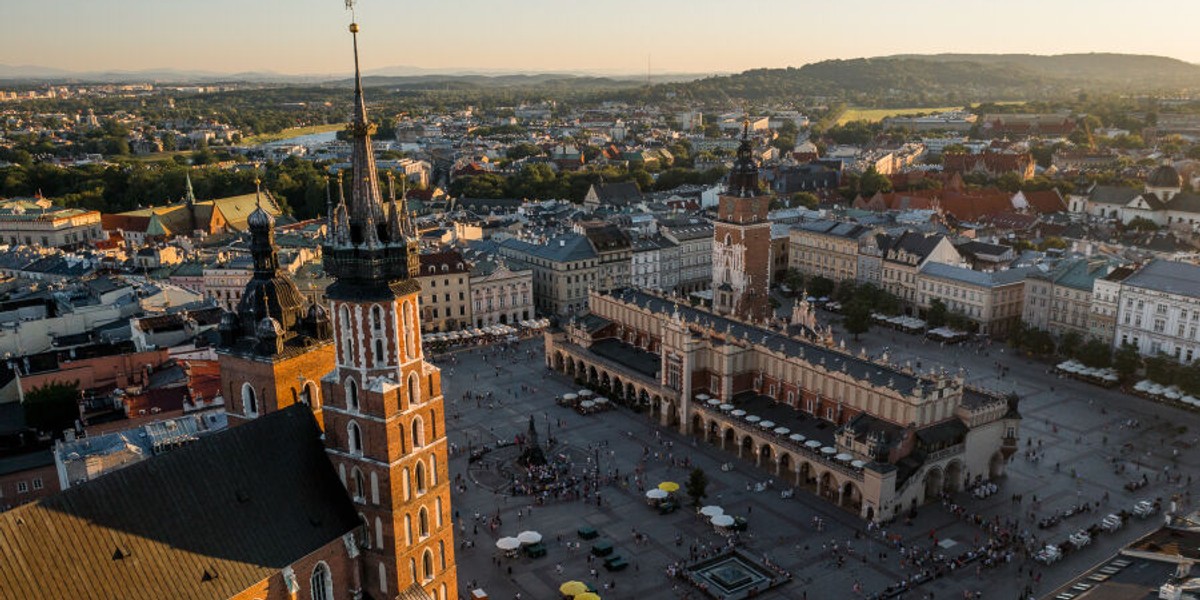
872, 181
820, 286
697, 486
523, 150
1142, 224
858, 318
1071, 344
53, 407
936, 315
807, 200
1095, 354
1127, 361
794, 280
1161, 369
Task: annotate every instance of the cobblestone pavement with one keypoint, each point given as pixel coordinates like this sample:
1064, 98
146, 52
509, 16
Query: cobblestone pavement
1078, 426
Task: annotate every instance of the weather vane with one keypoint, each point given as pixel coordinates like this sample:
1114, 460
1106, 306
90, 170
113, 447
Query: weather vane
350, 7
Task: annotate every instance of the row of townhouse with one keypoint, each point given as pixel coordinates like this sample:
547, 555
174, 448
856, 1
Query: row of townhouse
677, 258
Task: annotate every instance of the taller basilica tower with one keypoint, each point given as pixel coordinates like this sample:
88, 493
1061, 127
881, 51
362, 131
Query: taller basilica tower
384, 423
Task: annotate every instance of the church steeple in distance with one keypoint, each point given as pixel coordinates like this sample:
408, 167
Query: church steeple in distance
363, 249
743, 178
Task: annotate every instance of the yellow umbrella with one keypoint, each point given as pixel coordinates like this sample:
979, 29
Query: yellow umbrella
572, 588
669, 486
587, 596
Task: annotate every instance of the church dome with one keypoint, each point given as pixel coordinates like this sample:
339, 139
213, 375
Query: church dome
269, 328
1165, 177
260, 219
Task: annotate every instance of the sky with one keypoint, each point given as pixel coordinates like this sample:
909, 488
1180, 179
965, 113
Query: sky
611, 36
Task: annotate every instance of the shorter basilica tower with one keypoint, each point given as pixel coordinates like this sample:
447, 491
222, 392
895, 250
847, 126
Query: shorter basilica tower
385, 429
742, 242
275, 348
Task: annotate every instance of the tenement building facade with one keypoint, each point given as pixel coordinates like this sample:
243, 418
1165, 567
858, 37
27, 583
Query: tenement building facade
871, 437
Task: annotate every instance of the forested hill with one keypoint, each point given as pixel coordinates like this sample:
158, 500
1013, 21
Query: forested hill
945, 79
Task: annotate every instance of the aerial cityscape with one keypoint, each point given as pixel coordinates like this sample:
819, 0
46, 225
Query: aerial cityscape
337, 302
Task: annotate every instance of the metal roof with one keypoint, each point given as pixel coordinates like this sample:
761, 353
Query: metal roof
1178, 278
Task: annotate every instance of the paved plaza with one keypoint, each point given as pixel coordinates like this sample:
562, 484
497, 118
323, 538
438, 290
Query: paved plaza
1078, 427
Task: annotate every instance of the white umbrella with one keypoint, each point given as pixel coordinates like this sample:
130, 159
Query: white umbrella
843, 457
782, 431
726, 407
587, 404
712, 402
722, 520
1171, 395
813, 444
702, 397
753, 419
601, 400
1142, 385
767, 424
857, 464
570, 397
796, 437
585, 393
1110, 377
656, 494
712, 511
828, 450
737, 413
508, 543
529, 537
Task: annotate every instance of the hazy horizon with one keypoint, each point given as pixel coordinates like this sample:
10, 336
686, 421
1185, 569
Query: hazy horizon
309, 37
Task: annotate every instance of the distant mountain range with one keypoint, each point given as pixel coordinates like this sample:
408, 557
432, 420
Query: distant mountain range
385, 76
907, 78
920, 80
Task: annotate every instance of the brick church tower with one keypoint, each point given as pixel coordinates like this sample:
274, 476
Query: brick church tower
384, 423
275, 348
742, 242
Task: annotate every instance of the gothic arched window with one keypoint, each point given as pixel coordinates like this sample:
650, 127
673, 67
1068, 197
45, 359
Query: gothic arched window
321, 582
354, 439
249, 400
351, 394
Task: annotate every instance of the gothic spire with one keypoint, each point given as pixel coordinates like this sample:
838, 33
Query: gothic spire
366, 205
394, 209
328, 208
189, 196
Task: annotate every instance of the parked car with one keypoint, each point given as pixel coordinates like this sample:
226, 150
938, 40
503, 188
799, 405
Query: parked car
1144, 509
1111, 523
1048, 555
1080, 539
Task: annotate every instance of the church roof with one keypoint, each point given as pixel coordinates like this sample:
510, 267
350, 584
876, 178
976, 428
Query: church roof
207, 520
178, 219
1164, 177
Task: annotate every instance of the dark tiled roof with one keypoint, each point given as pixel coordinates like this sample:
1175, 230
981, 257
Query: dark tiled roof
1109, 194
618, 194
451, 260
240, 505
876, 374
